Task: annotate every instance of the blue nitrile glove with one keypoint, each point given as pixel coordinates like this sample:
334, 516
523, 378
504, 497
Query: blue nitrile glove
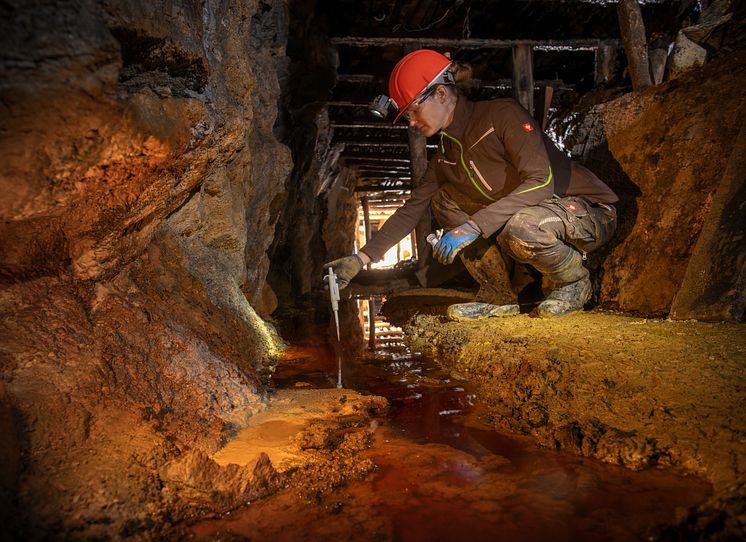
454, 241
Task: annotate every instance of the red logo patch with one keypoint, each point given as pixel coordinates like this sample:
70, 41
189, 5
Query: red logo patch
572, 207
528, 127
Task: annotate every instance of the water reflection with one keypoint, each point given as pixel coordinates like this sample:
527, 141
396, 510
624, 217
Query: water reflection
380, 334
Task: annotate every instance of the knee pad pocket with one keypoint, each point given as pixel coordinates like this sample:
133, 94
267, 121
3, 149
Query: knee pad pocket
524, 235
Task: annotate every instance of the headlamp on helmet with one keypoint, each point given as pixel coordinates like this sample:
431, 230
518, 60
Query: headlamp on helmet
381, 106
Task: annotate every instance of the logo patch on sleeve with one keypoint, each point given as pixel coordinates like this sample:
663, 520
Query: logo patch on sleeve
528, 127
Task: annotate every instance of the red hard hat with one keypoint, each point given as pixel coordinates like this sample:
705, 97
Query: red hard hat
413, 74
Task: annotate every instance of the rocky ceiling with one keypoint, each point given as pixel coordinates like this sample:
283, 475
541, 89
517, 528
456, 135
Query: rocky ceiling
370, 36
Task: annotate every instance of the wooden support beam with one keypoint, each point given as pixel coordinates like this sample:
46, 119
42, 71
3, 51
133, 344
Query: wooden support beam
394, 164
543, 101
384, 198
383, 188
346, 103
377, 159
472, 43
356, 77
605, 63
406, 180
372, 173
366, 221
363, 154
658, 59
523, 76
371, 322
388, 205
363, 143
398, 184
632, 29
505, 84
386, 175
368, 164
369, 125
364, 169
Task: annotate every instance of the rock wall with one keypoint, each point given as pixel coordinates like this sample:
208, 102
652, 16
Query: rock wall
318, 219
140, 179
665, 151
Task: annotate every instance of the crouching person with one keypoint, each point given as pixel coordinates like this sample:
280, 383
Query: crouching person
496, 179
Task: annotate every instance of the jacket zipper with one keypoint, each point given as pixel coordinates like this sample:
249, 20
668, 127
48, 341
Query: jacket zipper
488, 132
479, 174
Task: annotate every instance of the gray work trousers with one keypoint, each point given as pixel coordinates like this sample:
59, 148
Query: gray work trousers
544, 235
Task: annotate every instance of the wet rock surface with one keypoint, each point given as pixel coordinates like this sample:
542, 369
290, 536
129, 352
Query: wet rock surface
629, 391
99, 384
311, 438
440, 473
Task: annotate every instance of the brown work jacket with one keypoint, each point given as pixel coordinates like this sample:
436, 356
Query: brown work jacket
494, 160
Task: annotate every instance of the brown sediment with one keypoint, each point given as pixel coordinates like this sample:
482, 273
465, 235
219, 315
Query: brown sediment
629, 391
298, 424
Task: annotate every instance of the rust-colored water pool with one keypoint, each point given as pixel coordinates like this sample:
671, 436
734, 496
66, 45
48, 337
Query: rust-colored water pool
443, 476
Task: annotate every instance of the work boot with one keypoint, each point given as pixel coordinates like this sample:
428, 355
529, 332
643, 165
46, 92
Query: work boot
487, 266
572, 288
566, 299
477, 310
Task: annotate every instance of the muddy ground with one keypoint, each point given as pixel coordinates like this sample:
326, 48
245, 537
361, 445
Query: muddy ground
636, 392
644, 394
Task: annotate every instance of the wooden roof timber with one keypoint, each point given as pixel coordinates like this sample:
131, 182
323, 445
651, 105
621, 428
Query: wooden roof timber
392, 154
378, 164
376, 160
382, 174
476, 43
387, 181
371, 125
363, 143
385, 175
362, 172
389, 202
382, 188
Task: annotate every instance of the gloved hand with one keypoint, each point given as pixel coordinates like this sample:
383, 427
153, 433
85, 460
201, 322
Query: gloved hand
345, 268
454, 241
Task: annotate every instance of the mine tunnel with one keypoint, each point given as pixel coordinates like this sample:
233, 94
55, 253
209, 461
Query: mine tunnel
184, 357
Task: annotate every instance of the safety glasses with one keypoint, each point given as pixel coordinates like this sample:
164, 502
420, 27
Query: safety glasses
414, 107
